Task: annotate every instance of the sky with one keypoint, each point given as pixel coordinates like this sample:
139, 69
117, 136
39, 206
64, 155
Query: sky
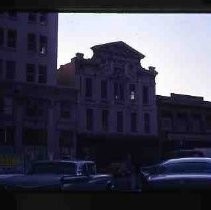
178, 45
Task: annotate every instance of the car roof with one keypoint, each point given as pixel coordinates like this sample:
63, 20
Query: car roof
65, 161
187, 159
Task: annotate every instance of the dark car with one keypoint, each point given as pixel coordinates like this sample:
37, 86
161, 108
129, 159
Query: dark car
61, 175
178, 174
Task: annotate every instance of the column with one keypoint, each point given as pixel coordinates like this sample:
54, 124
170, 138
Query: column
52, 141
18, 129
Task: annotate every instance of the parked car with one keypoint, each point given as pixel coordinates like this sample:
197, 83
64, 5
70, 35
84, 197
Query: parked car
183, 153
61, 175
178, 174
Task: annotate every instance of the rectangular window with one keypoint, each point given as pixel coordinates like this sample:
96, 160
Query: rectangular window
11, 38
34, 108
121, 92
1, 69
32, 17
1, 105
104, 93
31, 42
10, 70
133, 125
8, 106
116, 95
43, 45
132, 89
30, 72
12, 14
7, 135
105, 120
145, 95
147, 123
1, 36
42, 77
118, 91
88, 86
89, 119
119, 121
43, 18
64, 110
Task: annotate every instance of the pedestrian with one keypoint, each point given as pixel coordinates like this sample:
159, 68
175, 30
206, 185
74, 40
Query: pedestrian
131, 172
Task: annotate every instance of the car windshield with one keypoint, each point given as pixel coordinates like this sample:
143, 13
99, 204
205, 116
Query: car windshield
185, 167
53, 168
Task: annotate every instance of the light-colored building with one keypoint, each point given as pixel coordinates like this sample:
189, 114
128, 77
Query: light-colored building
116, 94
28, 47
37, 117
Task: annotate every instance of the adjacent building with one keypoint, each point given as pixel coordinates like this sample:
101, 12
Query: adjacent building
184, 121
116, 98
37, 117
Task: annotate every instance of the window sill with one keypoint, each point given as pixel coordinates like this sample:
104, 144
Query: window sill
31, 52
43, 55
119, 102
32, 22
13, 18
12, 49
89, 100
43, 23
104, 101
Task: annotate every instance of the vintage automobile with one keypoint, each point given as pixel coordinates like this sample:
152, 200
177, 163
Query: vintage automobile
60, 175
178, 174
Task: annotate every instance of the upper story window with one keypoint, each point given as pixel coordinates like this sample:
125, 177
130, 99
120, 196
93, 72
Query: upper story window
145, 95
89, 119
10, 70
182, 122
132, 89
1, 37
1, 69
11, 38
12, 15
104, 90
43, 45
119, 122
7, 135
30, 73
208, 122
147, 127
32, 17
118, 91
64, 110
43, 18
34, 108
105, 120
133, 124
7, 105
31, 42
42, 77
88, 87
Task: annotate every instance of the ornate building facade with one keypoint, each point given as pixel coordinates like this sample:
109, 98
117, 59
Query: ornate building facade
116, 95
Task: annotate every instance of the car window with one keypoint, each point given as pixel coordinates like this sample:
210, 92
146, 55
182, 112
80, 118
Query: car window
185, 167
53, 168
91, 168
